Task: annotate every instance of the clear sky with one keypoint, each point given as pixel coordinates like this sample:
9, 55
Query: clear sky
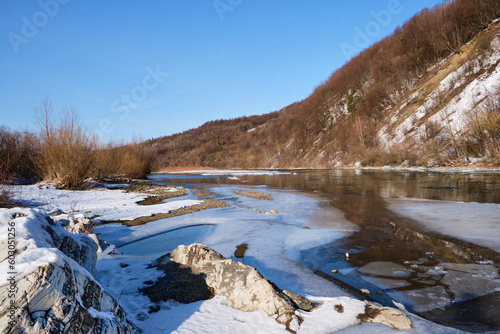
153, 68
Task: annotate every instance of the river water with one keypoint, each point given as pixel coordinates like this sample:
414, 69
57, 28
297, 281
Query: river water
407, 249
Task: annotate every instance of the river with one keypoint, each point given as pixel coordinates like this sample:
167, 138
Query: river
428, 240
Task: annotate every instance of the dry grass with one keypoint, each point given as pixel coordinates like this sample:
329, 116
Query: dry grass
89, 227
483, 128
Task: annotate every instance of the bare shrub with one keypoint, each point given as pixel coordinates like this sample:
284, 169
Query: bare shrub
66, 151
16, 150
6, 190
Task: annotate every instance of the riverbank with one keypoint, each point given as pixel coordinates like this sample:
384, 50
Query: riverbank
275, 242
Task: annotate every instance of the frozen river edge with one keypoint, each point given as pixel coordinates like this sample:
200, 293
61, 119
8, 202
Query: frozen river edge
274, 245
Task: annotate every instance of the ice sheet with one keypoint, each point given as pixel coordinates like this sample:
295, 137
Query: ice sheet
473, 222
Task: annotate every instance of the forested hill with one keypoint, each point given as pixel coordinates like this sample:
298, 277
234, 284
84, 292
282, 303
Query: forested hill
426, 95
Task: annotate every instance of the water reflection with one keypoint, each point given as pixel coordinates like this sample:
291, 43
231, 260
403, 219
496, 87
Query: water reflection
450, 186
391, 255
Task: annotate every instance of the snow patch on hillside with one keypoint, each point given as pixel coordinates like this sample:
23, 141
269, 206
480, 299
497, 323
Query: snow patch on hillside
453, 115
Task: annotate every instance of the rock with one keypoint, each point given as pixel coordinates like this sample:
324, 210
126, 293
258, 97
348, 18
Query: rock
301, 302
244, 287
240, 250
385, 315
61, 294
162, 260
241, 284
84, 252
57, 299
102, 245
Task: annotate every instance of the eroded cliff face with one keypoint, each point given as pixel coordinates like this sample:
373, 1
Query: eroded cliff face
48, 280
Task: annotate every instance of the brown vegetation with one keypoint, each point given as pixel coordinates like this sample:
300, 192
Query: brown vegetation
64, 152
5, 188
483, 131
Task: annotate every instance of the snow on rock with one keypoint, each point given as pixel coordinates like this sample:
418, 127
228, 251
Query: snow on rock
47, 279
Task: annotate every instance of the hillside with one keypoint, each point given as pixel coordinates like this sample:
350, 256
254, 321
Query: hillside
426, 95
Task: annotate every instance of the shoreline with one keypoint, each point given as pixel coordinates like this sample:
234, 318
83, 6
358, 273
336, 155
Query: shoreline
274, 241
188, 170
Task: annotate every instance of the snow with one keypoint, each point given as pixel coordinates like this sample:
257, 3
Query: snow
453, 115
100, 315
455, 219
33, 247
105, 203
326, 319
274, 246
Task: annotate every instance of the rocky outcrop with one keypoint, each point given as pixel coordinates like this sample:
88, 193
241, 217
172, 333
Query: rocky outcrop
241, 284
53, 290
245, 287
79, 224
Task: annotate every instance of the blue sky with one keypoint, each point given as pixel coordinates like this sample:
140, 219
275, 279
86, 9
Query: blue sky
146, 69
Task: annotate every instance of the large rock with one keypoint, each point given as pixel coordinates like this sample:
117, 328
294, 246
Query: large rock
241, 284
244, 286
54, 290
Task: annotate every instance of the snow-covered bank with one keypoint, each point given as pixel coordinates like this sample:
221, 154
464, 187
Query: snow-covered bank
47, 282
274, 242
104, 203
